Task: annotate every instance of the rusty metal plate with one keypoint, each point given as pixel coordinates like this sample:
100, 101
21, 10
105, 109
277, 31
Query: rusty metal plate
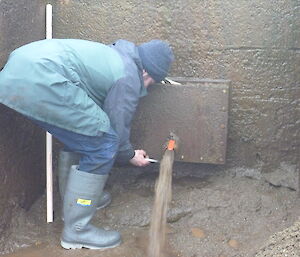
196, 111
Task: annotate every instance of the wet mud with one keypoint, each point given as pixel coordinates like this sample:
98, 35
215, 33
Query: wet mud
217, 213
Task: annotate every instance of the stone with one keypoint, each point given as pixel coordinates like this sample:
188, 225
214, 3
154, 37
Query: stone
198, 232
233, 243
286, 176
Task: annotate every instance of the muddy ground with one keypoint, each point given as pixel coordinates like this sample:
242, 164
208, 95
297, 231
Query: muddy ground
214, 213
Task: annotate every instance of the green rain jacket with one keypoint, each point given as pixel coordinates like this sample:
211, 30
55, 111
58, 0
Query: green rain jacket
77, 85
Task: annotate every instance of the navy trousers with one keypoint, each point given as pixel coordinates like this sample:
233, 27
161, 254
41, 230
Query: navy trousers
97, 153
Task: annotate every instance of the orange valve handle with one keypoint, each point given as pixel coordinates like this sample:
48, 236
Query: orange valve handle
171, 144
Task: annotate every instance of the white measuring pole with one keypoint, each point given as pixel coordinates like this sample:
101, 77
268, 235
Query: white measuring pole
49, 169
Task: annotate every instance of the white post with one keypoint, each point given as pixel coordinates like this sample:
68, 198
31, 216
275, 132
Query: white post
49, 169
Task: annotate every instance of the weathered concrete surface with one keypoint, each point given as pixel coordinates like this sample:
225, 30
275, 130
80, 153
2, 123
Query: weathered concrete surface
21, 164
21, 143
255, 44
196, 111
21, 22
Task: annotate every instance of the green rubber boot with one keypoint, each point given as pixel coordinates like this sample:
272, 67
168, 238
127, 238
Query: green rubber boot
80, 202
65, 161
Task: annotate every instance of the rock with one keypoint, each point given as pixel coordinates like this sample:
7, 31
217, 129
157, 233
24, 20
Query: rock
286, 176
198, 232
175, 214
233, 243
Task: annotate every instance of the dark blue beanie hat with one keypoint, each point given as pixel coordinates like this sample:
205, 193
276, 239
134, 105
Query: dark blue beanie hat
156, 56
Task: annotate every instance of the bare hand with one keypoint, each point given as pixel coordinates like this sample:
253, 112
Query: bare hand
139, 158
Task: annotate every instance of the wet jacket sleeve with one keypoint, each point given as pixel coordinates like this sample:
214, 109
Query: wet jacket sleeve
120, 105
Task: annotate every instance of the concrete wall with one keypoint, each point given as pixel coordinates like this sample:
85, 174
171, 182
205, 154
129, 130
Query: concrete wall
256, 44
21, 143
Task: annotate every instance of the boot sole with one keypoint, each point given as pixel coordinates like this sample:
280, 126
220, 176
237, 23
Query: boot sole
69, 246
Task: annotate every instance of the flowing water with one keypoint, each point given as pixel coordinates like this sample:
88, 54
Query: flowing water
163, 195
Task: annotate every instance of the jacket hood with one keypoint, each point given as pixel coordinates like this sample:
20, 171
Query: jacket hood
130, 49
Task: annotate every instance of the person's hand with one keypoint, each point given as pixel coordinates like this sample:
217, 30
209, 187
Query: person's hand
139, 158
